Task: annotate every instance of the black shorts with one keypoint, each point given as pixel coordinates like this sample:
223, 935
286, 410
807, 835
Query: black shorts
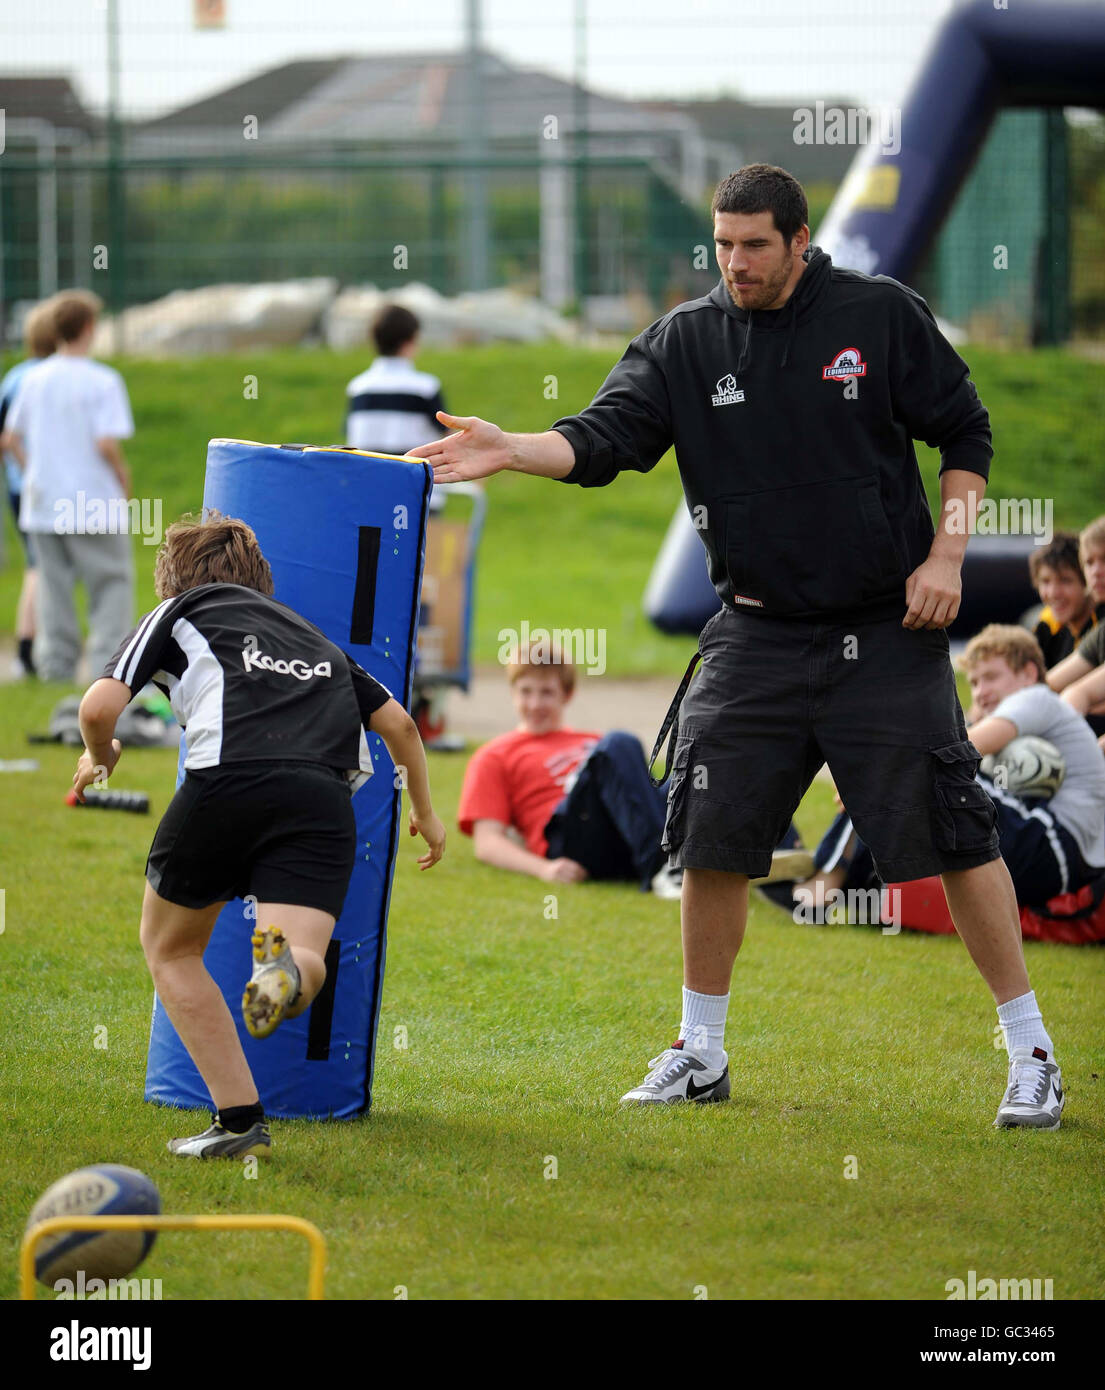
775, 698
283, 832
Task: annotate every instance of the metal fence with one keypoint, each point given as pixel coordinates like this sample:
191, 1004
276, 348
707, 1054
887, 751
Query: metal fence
574, 232
137, 229
1013, 215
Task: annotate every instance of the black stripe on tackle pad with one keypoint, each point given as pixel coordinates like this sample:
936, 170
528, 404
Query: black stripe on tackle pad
322, 1009
364, 590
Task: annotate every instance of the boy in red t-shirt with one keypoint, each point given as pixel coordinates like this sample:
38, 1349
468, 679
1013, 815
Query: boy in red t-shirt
562, 804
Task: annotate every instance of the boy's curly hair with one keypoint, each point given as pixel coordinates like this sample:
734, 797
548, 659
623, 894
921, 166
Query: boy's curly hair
210, 549
1016, 646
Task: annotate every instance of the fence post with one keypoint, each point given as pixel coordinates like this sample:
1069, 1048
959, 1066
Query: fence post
116, 187
1055, 232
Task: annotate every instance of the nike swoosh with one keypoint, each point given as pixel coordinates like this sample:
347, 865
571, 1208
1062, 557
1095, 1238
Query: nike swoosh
693, 1091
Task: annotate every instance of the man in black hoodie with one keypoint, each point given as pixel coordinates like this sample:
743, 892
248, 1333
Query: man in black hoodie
792, 394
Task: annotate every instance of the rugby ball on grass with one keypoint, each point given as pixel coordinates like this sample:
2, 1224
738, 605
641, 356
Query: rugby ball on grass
105, 1189
1026, 766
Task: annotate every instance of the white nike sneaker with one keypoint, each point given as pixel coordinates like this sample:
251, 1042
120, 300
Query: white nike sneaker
218, 1142
1034, 1098
680, 1075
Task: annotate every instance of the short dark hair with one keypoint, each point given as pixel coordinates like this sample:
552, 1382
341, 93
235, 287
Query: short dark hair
764, 188
1061, 554
393, 329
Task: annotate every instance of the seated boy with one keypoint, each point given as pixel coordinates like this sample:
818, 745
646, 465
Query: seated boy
1090, 650
559, 803
565, 805
1070, 608
1051, 846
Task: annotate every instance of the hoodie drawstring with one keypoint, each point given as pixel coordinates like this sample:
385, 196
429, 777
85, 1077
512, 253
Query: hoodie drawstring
743, 360
789, 341
747, 341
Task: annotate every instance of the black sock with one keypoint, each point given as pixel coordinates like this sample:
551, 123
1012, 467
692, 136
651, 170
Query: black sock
25, 644
238, 1118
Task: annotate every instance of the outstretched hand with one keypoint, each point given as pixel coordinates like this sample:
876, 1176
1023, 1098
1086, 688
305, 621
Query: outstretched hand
477, 450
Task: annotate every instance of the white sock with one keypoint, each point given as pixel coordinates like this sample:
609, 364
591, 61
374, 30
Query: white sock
703, 1025
1023, 1024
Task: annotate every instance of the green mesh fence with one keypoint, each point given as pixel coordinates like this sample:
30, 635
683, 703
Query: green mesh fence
1001, 265
139, 230
135, 230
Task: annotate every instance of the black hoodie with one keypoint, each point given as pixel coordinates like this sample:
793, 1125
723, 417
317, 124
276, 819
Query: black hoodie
793, 430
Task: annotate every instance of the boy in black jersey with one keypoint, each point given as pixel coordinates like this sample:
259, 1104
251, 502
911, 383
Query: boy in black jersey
275, 715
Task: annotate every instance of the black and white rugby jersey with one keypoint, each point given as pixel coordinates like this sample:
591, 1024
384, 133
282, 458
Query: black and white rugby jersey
249, 680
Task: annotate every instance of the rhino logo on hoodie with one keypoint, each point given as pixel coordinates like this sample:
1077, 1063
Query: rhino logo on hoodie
727, 393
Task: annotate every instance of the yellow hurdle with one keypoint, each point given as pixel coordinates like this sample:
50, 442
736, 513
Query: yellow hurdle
316, 1270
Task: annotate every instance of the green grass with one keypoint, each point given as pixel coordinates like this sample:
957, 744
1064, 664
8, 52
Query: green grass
524, 1030
522, 1033
559, 556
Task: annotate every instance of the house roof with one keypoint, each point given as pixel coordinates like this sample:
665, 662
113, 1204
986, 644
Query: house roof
266, 95
764, 132
50, 99
403, 97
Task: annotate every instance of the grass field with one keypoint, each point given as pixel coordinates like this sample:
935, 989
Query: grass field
565, 556
522, 1033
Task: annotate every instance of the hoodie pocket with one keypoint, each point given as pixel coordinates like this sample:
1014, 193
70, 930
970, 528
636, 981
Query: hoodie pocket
810, 547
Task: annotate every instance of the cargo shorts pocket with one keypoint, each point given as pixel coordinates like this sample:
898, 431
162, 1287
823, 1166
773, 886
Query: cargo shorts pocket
964, 817
675, 829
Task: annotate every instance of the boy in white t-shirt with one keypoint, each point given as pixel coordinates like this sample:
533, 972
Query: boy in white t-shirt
65, 427
1051, 846
1055, 845
41, 339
